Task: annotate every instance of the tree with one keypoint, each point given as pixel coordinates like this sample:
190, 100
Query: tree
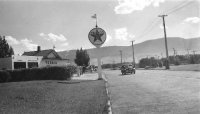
82, 58
5, 49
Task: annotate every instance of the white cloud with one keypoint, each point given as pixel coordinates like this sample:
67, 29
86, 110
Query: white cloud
65, 44
11, 40
108, 39
192, 20
58, 50
53, 37
122, 34
28, 44
128, 6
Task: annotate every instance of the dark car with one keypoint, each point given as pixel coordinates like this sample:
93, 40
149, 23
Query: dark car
127, 69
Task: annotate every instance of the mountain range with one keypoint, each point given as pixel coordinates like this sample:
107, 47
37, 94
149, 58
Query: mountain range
149, 48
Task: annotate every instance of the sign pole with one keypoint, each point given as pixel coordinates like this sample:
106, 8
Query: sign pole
99, 64
97, 37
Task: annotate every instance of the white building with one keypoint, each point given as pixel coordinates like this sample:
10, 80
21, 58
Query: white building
18, 62
39, 58
50, 57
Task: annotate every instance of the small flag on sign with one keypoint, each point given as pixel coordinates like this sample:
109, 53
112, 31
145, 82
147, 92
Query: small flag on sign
94, 16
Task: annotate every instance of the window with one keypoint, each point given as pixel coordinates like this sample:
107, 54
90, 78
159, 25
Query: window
19, 65
51, 62
32, 64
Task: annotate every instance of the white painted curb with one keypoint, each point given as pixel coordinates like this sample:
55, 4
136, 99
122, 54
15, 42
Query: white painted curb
108, 94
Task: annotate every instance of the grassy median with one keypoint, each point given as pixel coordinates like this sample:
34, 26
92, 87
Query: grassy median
47, 97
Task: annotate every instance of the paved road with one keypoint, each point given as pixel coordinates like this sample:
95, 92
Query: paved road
155, 92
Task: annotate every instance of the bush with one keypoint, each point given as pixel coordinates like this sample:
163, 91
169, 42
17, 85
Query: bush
4, 76
46, 73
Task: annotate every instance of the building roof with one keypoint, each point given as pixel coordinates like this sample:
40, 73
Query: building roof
43, 53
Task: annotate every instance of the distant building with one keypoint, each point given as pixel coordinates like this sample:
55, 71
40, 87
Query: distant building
18, 62
50, 57
39, 58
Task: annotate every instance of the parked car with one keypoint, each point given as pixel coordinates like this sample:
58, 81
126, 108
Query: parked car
127, 69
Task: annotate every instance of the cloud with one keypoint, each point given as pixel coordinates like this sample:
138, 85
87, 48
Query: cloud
192, 20
108, 39
58, 50
11, 40
122, 34
53, 37
65, 44
28, 44
25, 42
128, 6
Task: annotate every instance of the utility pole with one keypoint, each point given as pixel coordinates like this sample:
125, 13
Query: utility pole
188, 51
133, 53
174, 55
193, 52
121, 55
161, 60
165, 35
174, 52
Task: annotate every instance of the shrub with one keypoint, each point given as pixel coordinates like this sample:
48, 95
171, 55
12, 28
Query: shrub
46, 73
4, 76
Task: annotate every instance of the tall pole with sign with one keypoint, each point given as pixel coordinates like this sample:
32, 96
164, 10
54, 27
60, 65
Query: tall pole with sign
97, 37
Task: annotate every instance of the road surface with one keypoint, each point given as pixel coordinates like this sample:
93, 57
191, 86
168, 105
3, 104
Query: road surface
154, 92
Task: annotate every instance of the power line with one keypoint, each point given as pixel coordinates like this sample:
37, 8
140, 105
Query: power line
149, 28
155, 22
178, 7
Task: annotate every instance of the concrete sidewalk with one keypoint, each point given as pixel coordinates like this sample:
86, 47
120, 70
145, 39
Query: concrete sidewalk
86, 76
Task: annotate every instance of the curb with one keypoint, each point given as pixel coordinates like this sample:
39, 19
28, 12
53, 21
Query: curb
108, 94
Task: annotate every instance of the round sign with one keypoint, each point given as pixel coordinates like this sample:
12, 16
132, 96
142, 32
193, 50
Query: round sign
97, 36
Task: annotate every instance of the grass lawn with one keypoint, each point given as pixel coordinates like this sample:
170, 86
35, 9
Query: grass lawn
53, 97
189, 67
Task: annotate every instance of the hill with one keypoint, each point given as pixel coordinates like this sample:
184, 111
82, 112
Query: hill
148, 48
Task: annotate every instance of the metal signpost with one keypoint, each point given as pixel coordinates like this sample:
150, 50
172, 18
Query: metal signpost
97, 37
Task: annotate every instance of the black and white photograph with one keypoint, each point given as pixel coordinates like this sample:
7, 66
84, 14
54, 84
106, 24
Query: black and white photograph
99, 56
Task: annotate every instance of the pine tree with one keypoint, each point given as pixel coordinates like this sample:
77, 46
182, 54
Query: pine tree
5, 49
82, 58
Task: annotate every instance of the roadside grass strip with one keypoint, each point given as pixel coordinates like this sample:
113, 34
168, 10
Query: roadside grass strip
54, 97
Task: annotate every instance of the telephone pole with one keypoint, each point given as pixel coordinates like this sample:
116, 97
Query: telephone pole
175, 52
161, 55
121, 55
193, 52
188, 51
165, 35
133, 53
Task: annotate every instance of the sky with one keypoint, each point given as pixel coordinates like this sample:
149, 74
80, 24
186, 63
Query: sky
65, 24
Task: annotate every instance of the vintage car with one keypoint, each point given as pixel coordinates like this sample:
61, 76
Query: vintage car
127, 69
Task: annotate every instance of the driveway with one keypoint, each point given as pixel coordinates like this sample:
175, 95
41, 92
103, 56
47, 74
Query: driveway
154, 92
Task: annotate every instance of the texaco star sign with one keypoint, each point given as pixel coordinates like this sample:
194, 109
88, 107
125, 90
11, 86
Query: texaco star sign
97, 36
